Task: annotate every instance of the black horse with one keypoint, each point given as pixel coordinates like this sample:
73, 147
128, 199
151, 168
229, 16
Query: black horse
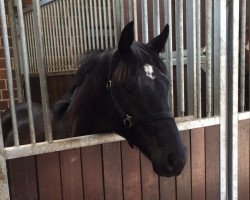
125, 90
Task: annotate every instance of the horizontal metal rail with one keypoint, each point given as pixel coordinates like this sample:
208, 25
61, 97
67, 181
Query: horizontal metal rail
183, 123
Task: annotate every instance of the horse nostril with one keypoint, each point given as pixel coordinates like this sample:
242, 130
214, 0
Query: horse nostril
174, 164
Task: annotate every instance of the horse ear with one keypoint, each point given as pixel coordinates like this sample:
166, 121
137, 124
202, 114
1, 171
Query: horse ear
159, 41
127, 38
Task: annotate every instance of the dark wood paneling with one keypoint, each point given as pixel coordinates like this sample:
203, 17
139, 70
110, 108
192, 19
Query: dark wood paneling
71, 174
131, 172
244, 162
167, 188
92, 172
112, 171
150, 186
22, 178
57, 87
49, 176
212, 142
198, 164
184, 179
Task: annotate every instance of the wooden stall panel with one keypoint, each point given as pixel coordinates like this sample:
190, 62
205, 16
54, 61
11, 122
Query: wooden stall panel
184, 179
167, 188
243, 160
150, 186
22, 178
49, 176
71, 174
198, 164
112, 171
92, 172
131, 172
212, 143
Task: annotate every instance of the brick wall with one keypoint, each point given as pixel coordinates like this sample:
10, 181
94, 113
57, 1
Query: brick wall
4, 94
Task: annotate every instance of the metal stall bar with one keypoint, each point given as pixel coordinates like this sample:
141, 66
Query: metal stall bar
156, 17
169, 49
100, 22
220, 72
183, 123
9, 71
116, 19
191, 56
4, 186
15, 51
144, 15
110, 25
58, 33
70, 45
135, 19
179, 52
198, 57
26, 70
73, 32
209, 7
130, 10
41, 69
242, 54
92, 27
96, 25
105, 23
233, 69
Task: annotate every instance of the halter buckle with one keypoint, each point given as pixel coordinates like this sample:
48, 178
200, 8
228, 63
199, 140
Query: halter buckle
127, 121
108, 85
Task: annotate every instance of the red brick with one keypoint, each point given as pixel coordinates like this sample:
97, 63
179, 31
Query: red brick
3, 74
2, 85
3, 105
2, 63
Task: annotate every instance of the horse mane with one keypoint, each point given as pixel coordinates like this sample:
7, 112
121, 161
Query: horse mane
87, 62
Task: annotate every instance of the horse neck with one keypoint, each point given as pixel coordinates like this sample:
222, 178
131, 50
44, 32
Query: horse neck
88, 112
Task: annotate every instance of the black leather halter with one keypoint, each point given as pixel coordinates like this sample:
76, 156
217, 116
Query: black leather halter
130, 121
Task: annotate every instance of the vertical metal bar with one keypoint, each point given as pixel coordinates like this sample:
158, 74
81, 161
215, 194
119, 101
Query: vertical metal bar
73, 31
242, 54
9, 71
105, 23
92, 26
130, 10
116, 14
233, 65
49, 38
70, 47
96, 25
144, 13
168, 47
135, 19
53, 36
4, 186
179, 52
110, 25
27, 30
26, 70
80, 22
42, 73
120, 15
74, 27
15, 51
58, 33
209, 7
88, 25
220, 71
156, 17
101, 24
191, 56
198, 57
